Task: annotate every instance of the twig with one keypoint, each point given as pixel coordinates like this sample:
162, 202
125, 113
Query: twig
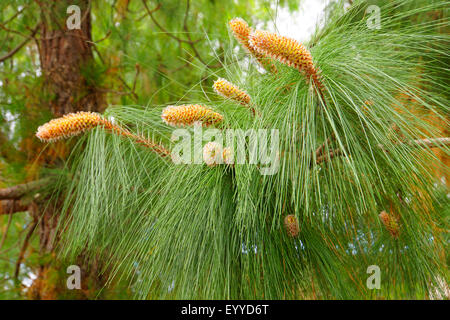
132, 90
98, 53
170, 34
13, 31
15, 15
186, 29
104, 38
138, 69
18, 191
159, 149
11, 206
6, 230
429, 143
24, 248
164, 69
86, 12
189, 40
16, 49
425, 143
15, 243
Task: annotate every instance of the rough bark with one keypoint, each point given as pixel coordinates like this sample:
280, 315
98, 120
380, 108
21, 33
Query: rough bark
12, 206
63, 55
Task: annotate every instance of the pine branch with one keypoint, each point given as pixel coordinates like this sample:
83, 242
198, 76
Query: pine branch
12, 206
425, 143
24, 248
16, 14
6, 230
189, 40
164, 30
18, 191
11, 198
16, 49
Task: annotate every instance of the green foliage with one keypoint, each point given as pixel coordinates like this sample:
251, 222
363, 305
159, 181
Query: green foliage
9, 252
123, 35
191, 231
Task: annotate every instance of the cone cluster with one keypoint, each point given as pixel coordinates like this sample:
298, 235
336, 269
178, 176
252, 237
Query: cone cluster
261, 44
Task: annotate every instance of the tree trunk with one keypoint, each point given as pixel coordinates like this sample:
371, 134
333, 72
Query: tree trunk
64, 54
66, 58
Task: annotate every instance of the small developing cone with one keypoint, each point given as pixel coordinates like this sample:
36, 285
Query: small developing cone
73, 124
212, 154
291, 225
241, 32
285, 50
390, 222
228, 155
185, 115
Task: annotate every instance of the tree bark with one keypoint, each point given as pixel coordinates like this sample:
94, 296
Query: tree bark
12, 206
66, 60
64, 54
18, 191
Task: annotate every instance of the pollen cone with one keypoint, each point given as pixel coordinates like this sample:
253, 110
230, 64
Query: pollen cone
285, 50
230, 91
73, 124
185, 115
241, 32
69, 125
390, 222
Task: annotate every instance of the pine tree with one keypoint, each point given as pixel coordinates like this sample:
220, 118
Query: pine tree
359, 113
